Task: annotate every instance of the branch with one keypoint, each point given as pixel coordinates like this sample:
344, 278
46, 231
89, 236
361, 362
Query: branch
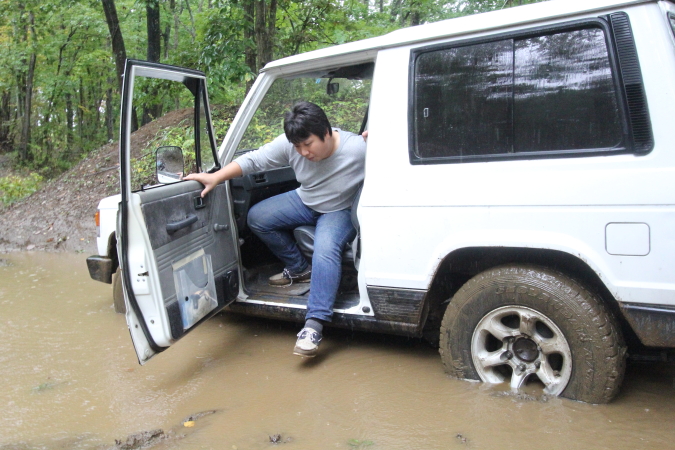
192, 19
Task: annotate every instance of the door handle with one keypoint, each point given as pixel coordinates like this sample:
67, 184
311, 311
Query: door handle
175, 226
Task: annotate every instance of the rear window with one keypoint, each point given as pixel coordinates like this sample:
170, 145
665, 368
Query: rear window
540, 95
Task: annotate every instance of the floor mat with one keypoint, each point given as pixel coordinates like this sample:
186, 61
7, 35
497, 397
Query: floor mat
258, 282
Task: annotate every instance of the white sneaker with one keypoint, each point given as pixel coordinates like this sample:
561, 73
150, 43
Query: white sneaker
307, 343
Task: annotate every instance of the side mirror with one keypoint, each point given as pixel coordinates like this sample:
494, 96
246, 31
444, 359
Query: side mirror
170, 164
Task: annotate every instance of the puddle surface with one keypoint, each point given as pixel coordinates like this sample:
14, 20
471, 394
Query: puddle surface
71, 380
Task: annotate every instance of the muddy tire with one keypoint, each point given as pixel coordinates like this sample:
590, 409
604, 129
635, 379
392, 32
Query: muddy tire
520, 323
118, 293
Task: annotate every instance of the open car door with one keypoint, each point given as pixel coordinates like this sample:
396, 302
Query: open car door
178, 251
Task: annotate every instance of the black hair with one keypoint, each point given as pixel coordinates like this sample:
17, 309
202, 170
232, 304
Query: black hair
303, 119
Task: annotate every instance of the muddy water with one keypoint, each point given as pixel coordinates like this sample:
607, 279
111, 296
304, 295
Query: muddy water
70, 379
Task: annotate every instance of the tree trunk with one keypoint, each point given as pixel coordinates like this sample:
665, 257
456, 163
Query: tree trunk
167, 30
119, 51
82, 107
415, 18
249, 37
5, 117
154, 31
24, 141
154, 110
271, 29
394, 10
28, 99
193, 29
176, 24
25, 82
260, 30
70, 122
166, 37
265, 21
109, 117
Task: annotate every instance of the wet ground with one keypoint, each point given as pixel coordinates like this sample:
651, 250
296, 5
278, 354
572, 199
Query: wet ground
71, 380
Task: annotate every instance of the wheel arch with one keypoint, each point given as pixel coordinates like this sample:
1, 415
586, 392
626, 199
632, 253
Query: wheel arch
111, 251
460, 265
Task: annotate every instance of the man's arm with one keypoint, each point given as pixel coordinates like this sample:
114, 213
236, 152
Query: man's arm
211, 180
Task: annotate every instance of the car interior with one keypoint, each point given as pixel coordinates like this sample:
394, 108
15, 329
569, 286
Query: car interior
343, 93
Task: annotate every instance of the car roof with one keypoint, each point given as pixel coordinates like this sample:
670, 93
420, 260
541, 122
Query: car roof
520, 15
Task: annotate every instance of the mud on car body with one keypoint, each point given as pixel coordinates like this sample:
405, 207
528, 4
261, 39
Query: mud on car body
519, 198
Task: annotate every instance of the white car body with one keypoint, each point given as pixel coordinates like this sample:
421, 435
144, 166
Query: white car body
611, 216
105, 236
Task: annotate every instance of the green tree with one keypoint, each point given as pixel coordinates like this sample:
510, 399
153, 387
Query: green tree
61, 63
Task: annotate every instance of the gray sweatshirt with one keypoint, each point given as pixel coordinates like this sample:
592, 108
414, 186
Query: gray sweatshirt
325, 186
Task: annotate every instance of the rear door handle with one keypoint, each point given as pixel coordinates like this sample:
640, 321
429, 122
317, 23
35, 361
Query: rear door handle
175, 226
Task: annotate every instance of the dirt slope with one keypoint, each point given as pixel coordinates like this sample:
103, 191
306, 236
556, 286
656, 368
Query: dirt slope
60, 216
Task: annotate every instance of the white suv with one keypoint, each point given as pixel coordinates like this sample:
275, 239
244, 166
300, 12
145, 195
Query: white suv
519, 194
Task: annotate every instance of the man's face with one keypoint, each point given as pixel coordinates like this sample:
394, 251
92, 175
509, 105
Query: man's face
314, 148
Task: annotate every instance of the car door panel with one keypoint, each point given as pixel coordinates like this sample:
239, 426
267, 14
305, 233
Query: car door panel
159, 211
178, 251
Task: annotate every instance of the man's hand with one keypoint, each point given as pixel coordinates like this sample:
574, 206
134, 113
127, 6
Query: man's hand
211, 180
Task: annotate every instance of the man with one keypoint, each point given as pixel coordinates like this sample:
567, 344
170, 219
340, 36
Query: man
329, 165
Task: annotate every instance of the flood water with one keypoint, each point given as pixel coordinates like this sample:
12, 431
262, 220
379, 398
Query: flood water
70, 380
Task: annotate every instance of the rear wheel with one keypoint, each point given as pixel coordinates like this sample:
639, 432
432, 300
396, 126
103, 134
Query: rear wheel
531, 325
118, 293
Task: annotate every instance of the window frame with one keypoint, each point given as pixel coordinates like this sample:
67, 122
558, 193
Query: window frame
669, 16
202, 101
625, 145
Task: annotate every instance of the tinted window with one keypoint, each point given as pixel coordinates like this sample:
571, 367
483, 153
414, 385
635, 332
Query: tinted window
564, 94
547, 93
464, 100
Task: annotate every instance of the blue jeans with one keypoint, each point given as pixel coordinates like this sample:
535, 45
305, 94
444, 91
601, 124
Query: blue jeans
273, 221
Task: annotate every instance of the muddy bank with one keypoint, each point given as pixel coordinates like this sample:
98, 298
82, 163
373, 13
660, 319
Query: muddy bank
60, 216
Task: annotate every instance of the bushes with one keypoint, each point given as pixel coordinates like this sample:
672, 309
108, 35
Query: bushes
14, 187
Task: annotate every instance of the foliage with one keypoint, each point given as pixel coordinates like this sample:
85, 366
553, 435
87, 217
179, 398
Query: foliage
182, 135
68, 105
466, 7
143, 168
14, 187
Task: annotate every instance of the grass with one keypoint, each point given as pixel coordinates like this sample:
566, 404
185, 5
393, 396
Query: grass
14, 187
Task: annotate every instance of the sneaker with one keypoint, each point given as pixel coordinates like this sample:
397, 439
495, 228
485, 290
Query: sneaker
286, 278
307, 343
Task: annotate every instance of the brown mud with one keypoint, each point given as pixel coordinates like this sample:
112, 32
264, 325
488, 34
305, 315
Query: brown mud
71, 380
